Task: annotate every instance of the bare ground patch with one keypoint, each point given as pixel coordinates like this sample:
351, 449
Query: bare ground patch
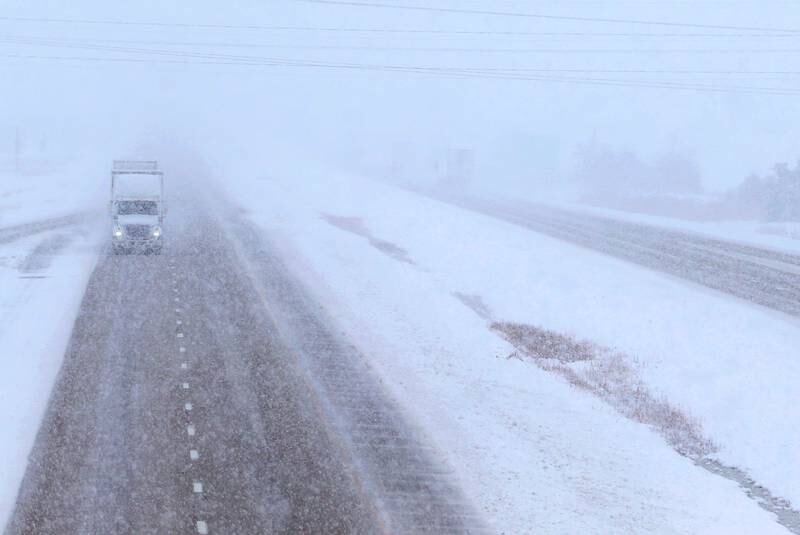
42, 255
356, 226
474, 303
610, 376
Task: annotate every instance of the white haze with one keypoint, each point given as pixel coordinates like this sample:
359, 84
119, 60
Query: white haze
524, 133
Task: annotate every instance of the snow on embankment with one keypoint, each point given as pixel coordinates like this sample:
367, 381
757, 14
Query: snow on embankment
44, 269
416, 284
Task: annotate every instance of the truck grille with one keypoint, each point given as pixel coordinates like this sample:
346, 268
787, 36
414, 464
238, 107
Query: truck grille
138, 232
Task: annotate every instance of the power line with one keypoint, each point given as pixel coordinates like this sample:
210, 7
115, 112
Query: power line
139, 23
461, 70
550, 17
98, 44
439, 49
435, 72
95, 45
245, 44
765, 31
227, 59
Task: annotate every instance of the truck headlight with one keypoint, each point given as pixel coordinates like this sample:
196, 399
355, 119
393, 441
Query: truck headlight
117, 232
156, 231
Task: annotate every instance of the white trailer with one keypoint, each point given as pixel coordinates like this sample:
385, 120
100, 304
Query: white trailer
137, 207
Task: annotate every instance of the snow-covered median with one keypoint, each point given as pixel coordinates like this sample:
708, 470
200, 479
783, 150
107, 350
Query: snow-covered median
43, 274
413, 282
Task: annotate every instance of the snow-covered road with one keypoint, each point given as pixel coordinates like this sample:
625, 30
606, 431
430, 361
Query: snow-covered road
183, 406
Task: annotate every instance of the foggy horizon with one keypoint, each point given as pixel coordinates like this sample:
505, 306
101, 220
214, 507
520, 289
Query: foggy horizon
399, 267
124, 94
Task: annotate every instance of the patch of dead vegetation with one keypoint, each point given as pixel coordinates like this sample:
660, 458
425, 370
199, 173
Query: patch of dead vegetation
612, 377
543, 344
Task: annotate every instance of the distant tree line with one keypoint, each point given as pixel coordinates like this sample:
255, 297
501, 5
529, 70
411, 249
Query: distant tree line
604, 172
671, 185
774, 197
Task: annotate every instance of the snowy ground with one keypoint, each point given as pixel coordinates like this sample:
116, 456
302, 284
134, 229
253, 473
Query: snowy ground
56, 190
42, 278
534, 453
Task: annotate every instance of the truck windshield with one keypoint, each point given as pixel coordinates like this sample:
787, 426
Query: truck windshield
137, 208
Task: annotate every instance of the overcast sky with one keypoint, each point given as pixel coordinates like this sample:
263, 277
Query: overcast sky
352, 112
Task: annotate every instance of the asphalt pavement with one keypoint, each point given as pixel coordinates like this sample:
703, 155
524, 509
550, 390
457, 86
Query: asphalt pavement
763, 276
204, 391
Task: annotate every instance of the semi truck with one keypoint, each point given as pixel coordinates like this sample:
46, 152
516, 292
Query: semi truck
137, 207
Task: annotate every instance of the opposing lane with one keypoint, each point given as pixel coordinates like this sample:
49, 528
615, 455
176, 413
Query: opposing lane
762, 276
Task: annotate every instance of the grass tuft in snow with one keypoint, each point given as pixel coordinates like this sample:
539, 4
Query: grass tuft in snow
610, 376
540, 343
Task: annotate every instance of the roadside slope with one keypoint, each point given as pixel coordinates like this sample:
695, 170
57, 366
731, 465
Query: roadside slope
49, 242
535, 454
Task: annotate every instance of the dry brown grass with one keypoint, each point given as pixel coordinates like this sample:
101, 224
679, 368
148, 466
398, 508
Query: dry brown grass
610, 376
543, 344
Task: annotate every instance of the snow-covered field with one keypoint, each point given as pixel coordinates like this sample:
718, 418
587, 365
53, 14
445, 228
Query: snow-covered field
536, 454
42, 278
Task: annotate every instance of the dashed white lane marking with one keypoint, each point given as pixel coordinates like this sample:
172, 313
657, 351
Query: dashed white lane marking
197, 486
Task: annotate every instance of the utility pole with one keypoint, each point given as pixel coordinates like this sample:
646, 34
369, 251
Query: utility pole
17, 150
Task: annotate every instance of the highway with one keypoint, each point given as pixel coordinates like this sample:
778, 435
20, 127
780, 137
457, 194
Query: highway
759, 275
205, 391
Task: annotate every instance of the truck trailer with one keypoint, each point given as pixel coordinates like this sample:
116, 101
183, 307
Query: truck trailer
137, 207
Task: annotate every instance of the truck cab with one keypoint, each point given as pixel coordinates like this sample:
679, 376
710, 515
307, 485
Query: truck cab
137, 207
